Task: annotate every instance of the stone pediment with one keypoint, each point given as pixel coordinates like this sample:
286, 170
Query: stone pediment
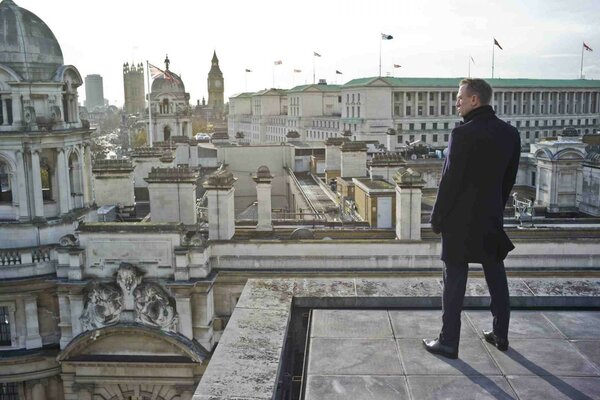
133, 342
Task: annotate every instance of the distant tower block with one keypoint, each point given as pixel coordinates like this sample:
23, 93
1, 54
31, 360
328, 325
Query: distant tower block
173, 194
133, 85
221, 212
354, 160
263, 180
408, 204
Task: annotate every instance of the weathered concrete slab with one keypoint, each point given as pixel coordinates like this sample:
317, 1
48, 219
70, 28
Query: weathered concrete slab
523, 324
420, 324
555, 387
461, 387
267, 294
356, 387
564, 287
367, 324
576, 325
542, 357
407, 287
473, 359
353, 357
590, 350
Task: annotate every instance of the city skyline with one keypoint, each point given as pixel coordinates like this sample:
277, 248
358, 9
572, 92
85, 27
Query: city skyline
430, 39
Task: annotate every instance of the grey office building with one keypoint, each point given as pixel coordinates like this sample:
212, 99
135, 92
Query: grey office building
94, 91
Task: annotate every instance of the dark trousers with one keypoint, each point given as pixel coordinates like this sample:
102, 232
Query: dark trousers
455, 283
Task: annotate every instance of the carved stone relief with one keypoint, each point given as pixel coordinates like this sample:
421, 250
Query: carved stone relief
109, 303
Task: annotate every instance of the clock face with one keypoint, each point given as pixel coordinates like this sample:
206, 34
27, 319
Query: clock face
217, 83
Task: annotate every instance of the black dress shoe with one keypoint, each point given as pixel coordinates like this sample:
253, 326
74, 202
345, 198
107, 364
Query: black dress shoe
434, 346
490, 337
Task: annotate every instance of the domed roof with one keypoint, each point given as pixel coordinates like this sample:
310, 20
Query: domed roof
172, 83
27, 45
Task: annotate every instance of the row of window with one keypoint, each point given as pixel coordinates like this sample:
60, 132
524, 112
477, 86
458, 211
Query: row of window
536, 123
355, 99
353, 115
526, 136
325, 124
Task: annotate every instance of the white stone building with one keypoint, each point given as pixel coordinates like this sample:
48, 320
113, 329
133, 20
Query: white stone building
422, 109
169, 103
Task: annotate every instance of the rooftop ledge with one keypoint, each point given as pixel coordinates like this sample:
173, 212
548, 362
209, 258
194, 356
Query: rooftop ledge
247, 362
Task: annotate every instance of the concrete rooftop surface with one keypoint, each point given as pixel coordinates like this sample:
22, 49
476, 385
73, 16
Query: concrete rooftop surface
363, 337
378, 355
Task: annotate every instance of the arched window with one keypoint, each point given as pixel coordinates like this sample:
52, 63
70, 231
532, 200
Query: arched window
46, 175
5, 186
166, 133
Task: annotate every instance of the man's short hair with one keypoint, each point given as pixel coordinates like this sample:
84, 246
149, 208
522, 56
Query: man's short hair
478, 87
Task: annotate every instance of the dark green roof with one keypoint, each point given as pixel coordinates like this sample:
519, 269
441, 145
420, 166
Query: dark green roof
495, 83
240, 95
323, 88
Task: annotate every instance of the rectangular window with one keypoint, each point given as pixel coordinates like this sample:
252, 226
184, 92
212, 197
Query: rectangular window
443, 96
435, 137
358, 94
397, 110
420, 110
446, 125
9, 391
420, 96
407, 96
5, 339
443, 110
434, 125
400, 139
352, 98
411, 127
339, 99
446, 136
431, 110
408, 110
518, 124
431, 96
423, 126
424, 138
358, 112
453, 110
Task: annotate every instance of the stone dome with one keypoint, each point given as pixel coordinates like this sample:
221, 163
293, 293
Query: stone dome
27, 45
161, 84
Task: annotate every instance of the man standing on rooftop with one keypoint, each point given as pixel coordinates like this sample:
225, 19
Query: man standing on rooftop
478, 176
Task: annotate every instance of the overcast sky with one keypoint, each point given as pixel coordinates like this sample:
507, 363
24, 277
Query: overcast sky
541, 39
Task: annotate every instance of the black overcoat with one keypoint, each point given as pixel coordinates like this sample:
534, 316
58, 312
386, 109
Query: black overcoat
478, 176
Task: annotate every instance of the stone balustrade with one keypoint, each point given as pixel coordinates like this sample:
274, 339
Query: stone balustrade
31, 261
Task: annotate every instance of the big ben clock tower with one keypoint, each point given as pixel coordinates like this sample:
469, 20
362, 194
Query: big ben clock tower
216, 87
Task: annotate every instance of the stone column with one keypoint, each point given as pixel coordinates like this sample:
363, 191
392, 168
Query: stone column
22, 187
88, 198
438, 111
4, 111
17, 110
184, 309
427, 104
64, 190
38, 199
33, 339
263, 180
76, 302
221, 211
38, 391
64, 307
409, 185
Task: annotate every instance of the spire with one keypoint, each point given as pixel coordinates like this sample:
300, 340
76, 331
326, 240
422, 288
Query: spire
215, 60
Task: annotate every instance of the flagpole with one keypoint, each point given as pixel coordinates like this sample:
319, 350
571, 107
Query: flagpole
246, 81
581, 69
380, 41
469, 66
273, 66
149, 104
493, 48
314, 67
